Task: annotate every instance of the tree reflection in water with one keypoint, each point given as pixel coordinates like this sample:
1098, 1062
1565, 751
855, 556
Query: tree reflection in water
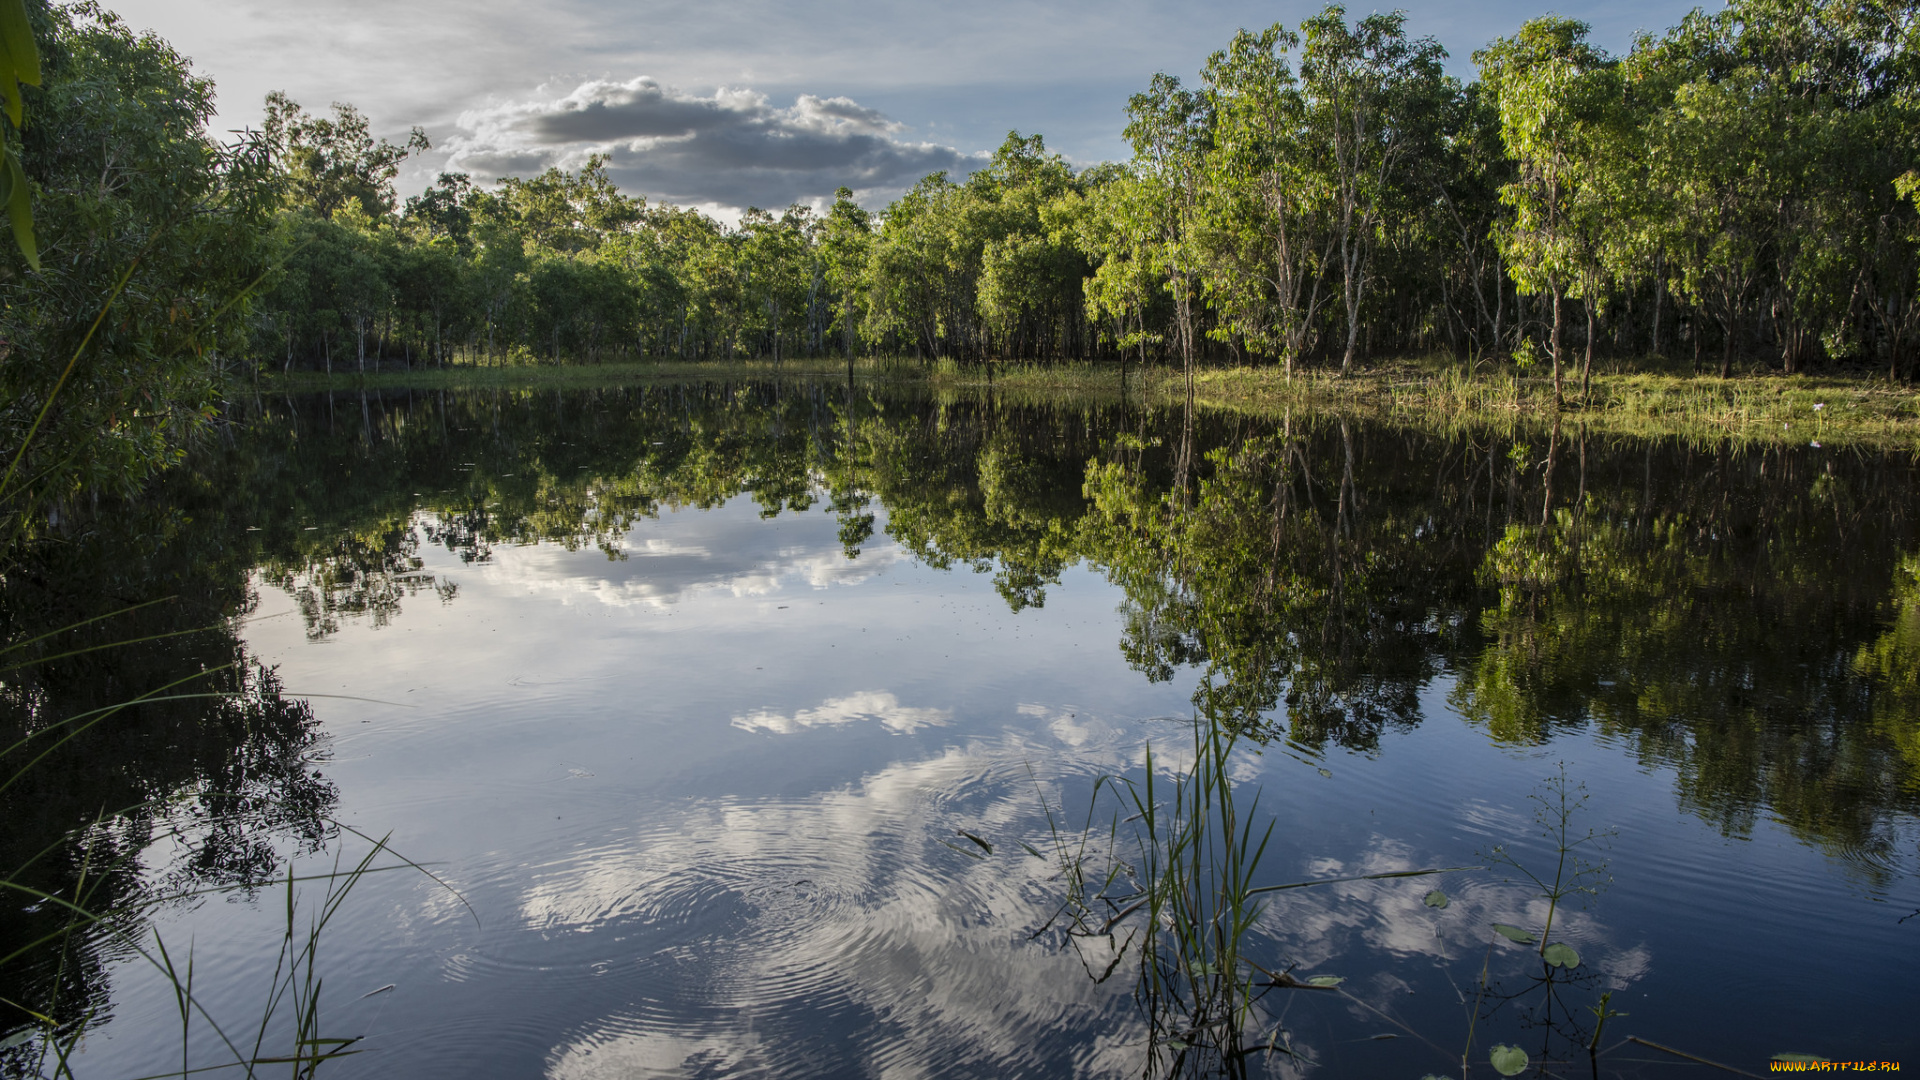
1746, 616
1743, 615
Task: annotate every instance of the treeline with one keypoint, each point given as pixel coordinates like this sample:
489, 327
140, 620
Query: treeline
1738, 188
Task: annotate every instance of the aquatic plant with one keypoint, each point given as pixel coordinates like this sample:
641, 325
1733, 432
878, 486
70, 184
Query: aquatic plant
96, 903
1178, 897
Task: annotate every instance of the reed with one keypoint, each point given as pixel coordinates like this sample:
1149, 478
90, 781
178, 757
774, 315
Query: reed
290, 1030
1178, 895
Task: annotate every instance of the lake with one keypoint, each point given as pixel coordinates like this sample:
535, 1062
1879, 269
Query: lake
794, 728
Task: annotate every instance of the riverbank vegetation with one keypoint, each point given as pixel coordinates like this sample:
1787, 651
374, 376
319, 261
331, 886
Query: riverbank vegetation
1732, 192
1731, 196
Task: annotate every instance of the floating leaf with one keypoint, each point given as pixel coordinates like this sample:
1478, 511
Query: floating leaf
1560, 954
984, 846
1031, 850
18, 1038
1385, 1036
1508, 1060
1513, 934
1328, 773
1437, 899
1326, 980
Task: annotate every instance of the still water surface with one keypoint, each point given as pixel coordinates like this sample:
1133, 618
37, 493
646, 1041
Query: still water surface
692, 694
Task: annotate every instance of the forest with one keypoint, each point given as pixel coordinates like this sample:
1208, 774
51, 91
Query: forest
1736, 191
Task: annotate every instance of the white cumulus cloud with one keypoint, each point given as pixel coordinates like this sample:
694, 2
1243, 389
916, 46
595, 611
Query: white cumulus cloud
865, 705
732, 148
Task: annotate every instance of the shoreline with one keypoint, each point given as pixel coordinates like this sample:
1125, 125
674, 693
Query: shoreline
1763, 407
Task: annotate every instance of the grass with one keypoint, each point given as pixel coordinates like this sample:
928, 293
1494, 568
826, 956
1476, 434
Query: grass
1645, 397
1170, 892
1174, 892
581, 376
288, 1033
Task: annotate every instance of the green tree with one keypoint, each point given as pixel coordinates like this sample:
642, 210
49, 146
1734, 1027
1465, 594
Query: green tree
140, 216
1371, 93
335, 162
1556, 96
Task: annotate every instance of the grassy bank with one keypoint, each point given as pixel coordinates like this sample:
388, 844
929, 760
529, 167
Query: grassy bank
1754, 407
572, 376
1645, 398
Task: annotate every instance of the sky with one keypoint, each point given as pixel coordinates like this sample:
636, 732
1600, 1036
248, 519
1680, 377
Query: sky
723, 104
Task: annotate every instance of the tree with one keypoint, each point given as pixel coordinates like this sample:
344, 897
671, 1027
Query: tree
1371, 93
1170, 129
332, 163
1268, 208
140, 214
1555, 93
845, 241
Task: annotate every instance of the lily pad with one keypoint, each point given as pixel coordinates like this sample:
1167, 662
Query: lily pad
1437, 899
1508, 1060
1513, 934
1561, 955
1326, 980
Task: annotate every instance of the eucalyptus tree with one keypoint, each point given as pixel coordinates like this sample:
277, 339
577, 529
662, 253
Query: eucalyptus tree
334, 162
1555, 93
773, 259
845, 242
1170, 128
1028, 292
1370, 94
1785, 128
1110, 219
915, 276
1464, 181
1269, 209
565, 212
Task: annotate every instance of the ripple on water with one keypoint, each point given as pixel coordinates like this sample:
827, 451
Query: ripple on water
722, 928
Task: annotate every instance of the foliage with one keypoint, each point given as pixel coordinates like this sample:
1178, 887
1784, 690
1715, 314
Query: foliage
137, 211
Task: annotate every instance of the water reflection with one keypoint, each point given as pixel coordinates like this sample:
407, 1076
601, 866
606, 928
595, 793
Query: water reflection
1319, 572
785, 873
173, 761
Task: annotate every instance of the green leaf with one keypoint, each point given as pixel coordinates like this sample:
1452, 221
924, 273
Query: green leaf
1513, 933
1560, 954
18, 1038
1328, 773
1508, 1060
1437, 899
1326, 980
20, 210
988, 848
16, 34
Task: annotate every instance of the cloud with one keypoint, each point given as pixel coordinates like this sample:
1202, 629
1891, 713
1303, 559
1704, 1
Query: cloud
866, 705
733, 148
673, 560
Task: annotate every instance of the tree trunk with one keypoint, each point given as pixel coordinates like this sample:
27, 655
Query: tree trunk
1586, 369
1558, 319
1726, 349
